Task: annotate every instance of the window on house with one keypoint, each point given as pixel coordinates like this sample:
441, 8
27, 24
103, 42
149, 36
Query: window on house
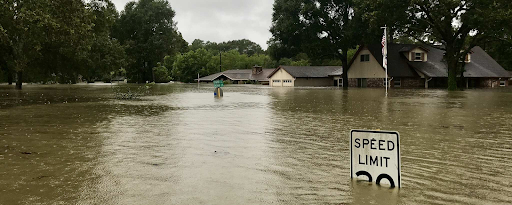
287, 81
467, 59
502, 83
417, 56
365, 58
397, 83
276, 81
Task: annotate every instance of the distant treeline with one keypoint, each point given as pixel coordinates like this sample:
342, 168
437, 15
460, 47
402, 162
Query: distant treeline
66, 41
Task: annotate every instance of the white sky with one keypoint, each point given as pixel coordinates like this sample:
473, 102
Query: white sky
221, 20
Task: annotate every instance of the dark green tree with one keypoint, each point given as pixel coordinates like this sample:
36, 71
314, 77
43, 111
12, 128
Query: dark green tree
37, 33
148, 30
106, 54
186, 66
458, 26
321, 28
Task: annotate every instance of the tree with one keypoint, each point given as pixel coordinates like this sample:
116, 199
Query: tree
148, 30
186, 66
106, 54
379, 13
458, 26
196, 44
243, 46
161, 74
320, 28
33, 30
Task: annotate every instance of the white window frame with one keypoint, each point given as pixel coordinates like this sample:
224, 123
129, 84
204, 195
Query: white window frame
504, 83
416, 56
276, 81
287, 81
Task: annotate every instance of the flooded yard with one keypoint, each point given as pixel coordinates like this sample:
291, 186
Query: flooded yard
76, 144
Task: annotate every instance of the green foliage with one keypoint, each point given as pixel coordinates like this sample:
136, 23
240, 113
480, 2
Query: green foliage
106, 55
285, 61
501, 51
44, 40
148, 31
432, 22
301, 63
186, 66
243, 46
161, 74
41, 37
323, 29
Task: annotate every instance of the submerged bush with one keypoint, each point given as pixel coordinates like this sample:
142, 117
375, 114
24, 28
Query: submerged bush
130, 92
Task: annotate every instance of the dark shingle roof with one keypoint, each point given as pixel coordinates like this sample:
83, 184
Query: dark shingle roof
245, 74
262, 76
310, 71
481, 65
397, 63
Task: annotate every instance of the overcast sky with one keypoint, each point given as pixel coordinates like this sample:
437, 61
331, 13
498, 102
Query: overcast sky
221, 20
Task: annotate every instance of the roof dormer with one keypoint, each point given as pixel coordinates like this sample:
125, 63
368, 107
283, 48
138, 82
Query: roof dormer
467, 59
415, 53
418, 55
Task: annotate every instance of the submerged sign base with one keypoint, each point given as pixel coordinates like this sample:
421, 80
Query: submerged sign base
375, 155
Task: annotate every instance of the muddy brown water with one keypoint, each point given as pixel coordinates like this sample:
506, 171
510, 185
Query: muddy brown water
75, 144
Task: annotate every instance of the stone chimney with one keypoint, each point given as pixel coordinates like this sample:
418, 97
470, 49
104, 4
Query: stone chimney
257, 70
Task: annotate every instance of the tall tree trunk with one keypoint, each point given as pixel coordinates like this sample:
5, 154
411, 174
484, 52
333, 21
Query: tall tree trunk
450, 56
20, 80
9, 77
452, 74
462, 82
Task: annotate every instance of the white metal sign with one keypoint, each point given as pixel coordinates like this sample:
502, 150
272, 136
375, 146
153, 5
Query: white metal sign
375, 155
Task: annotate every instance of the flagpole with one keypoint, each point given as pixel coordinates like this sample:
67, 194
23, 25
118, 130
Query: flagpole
385, 56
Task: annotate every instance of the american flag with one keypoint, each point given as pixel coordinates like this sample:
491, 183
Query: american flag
384, 51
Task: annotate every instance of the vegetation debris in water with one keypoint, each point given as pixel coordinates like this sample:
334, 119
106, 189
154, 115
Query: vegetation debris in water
131, 93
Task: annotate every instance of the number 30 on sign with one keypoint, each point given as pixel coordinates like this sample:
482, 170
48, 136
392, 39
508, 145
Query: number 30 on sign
375, 156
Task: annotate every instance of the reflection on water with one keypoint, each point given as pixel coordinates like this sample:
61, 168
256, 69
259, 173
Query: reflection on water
257, 145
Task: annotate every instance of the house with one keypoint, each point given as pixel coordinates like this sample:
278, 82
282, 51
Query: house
257, 74
293, 76
412, 66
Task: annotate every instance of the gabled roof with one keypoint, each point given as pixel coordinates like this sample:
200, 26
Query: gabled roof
262, 76
397, 62
245, 74
481, 65
310, 71
410, 47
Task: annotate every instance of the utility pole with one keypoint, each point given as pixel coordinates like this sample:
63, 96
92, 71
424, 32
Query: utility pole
220, 61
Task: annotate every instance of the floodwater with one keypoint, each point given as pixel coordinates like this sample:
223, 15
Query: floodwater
76, 144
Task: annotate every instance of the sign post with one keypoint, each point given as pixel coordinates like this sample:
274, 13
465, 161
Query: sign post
375, 155
218, 91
